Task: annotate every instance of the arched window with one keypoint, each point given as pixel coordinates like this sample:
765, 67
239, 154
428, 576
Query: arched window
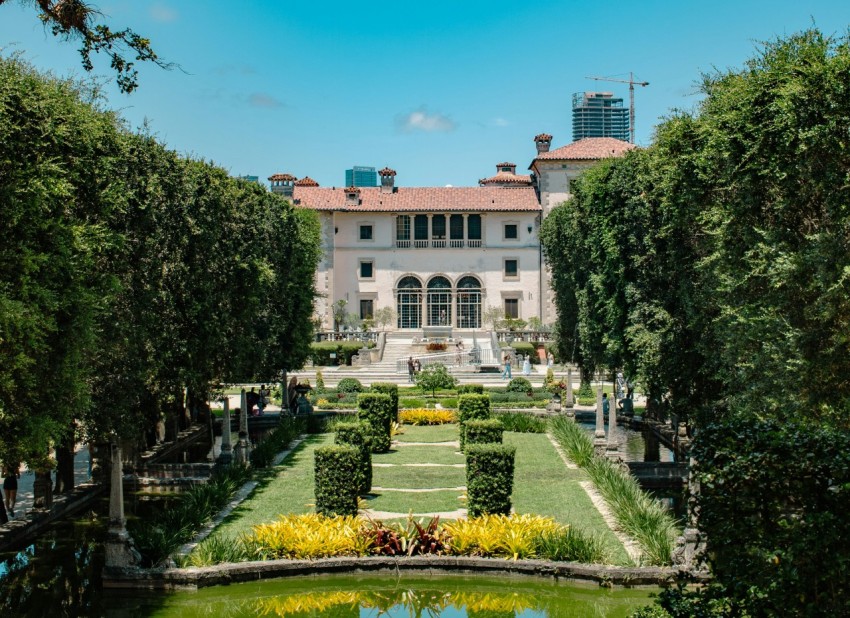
439, 302
469, 303
409, 303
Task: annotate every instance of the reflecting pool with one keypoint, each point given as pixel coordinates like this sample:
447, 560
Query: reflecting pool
391, 596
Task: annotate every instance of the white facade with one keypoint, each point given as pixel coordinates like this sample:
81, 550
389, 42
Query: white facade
441, 256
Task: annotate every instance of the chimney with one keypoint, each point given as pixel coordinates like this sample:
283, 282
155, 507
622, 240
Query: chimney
506, 168
387, 180
543, 141
282, 184
352, 196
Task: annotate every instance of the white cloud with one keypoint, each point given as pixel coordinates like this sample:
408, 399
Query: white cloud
163, 13
501, 122
422, 120
261, 99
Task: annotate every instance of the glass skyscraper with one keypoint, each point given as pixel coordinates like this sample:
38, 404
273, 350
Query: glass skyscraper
359, 176
599, 114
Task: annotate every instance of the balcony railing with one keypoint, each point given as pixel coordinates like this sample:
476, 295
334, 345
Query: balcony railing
439, 244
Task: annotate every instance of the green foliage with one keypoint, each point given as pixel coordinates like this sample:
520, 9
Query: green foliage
785, 483
521, 423
388, 388
435, 377
358, 435
486, 431
570, 544
165, 531
471, 407
320, 381
489, 478
464, 389
338, 473
376, 410
350, 385
276, 441
519, 385
320, 352
526, 349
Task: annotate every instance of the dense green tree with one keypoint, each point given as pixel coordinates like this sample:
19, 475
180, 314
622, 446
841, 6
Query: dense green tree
76, 20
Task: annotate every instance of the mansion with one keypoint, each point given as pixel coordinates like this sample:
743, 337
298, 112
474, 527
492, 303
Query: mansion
439, 256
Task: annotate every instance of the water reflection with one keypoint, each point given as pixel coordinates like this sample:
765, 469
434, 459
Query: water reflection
420, 597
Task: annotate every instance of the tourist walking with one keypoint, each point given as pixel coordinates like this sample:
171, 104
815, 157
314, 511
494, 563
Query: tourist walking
550, 360
263, 401
411, 369
10, 487
292, 394
417, 366
526, 365
605, 404
506, 372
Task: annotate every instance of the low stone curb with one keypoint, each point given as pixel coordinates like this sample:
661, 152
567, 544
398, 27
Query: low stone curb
196, 578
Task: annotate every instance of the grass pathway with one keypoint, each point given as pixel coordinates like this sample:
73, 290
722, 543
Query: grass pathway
543, 484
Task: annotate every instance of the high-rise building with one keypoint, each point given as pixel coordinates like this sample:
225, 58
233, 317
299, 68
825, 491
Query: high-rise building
359, 176
599, 114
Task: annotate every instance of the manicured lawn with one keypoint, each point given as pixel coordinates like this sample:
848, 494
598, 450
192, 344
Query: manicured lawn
416, 454
428, 433
543, 485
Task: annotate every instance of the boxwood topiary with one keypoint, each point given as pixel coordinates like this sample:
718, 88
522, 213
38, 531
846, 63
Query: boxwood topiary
477, 389
376, 409
487, 431
471, 407
358, 434
489, 478
519, 385
350, 385
388, 388
338, 479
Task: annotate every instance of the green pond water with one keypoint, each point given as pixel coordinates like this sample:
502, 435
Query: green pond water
391, 596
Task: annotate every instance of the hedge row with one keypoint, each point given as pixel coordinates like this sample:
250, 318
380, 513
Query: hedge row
471, 407
489, 479
358, 435
487, 431
376, 410
338, 470
321, 352
388, 388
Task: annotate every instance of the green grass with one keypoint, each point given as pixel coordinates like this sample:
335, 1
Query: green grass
418, 454
543, 485
286, 488
431, 502
424, 433
405, 477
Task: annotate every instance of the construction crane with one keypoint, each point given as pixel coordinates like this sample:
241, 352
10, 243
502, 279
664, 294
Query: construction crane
632, 83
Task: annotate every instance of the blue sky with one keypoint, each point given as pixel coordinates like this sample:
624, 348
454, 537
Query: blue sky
439, 91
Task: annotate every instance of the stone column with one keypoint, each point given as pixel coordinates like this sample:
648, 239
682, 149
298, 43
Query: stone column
599, 436
691, 544
612, 448
226, 455
243, 424
119, 546
569, 404
243, 405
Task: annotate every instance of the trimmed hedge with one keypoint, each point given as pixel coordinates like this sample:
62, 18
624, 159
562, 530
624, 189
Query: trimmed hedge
376, 410
320, 352
338, 479
526, 349
388, 388
519, 385
471, 407
487, 431
473, 389
350, 385
489, 479
358, 435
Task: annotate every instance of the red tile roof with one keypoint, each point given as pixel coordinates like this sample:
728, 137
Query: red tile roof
498, 165
306, 182
588, 149
506, 178
422, 199
289, 177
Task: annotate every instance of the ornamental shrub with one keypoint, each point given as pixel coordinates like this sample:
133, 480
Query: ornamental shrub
350, 385
320, 352
435, 377
521, 422
376, 410
388, 388
426, 416
489, 479
526, 349
487, 431
477, 389
320, 381
358, 434
519, 385
471, 407
338, 479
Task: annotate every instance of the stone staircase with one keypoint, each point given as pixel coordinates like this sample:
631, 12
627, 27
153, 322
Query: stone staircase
399, 346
